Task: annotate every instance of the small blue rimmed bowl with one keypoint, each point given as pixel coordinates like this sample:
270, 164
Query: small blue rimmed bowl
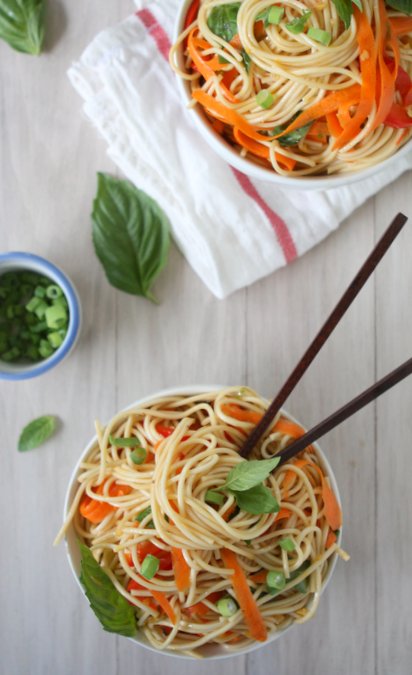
28, 262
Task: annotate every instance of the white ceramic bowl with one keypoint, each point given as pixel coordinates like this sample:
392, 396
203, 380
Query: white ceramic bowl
248, 166
73, 552
28, 262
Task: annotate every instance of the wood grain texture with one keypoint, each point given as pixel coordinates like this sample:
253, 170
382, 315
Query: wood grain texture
49, 156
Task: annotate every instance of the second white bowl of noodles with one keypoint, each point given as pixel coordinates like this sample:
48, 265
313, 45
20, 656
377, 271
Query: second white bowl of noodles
73, 551
249, 166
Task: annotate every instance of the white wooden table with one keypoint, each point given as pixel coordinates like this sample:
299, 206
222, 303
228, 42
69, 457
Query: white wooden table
49, 156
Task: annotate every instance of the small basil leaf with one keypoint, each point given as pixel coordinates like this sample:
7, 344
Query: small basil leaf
359, 5
257, 500
37, 432
112, 609
222, 20
298, 25
293, 137
247, 474
22, 24
130, 235
404, 6
246, 59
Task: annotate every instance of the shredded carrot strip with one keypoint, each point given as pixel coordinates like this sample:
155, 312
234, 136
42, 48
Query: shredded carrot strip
334, 127
386, 77
329, 104
330, 539
247, 602
260, 150
283, 513
225, 114
288, 428
367, 57
401, 25
164, 603
181, 570
333, 513
206, 68
94, 510
259, 577
200, 609
241, 414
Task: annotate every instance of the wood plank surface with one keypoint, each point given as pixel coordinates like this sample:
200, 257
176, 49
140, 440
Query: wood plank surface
49, 155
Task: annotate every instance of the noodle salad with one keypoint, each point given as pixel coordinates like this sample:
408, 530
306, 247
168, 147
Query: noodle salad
302, 87
188, 542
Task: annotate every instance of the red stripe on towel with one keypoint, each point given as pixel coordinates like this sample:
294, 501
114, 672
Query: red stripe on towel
279, 226
158, 33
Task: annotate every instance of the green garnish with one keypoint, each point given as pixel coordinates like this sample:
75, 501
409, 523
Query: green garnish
124, 442
302, 586
37, 432
112, 609
22, 24
257, 500
276, 580
56, 316
138, 456
213, 497
298, 25
226, 606
53, 292
150, 566
265, 98
344, 8
247, 61
319, 35
247, 474
275, 15
293, 137
222, 20
143, 514
131, 236
287, 544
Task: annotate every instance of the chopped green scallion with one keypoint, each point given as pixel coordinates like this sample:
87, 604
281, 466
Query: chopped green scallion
276, 580
138, 456
124, 442
287, 544
53, 291
319, 35
275, 15
150, 566
213, 497
227, 606
265, 98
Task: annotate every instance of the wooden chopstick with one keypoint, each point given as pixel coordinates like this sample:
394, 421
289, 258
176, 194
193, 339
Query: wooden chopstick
346, 411
330, 324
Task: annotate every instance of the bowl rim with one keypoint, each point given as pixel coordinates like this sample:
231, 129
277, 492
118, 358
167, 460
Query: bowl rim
186, 390
30, 261
254, 170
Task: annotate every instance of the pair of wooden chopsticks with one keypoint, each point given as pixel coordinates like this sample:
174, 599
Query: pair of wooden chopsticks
330, 324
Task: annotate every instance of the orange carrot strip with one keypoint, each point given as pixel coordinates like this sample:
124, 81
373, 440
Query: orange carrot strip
247, 602
235, 42
164, 603
256, 148
327, 105
259, 577
334, 127
333, 513
288, 428
367, 56
241, 414
291, 475
401, 25
181, 570
229, 512
386, 77
330, 539
283, 513
225, 114
206, 68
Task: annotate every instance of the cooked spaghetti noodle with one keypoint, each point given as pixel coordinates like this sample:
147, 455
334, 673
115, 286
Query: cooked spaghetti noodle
125, 512
292, 88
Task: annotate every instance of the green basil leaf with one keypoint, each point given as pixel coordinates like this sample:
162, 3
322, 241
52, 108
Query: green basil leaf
247, 474
293, 137
257, 500
404, 6
112, 609
246, 59
358, 4
131, 235
298, 25
344, 9
22, 24
37, 432
222, 20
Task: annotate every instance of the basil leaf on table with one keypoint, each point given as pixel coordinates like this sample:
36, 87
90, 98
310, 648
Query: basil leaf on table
22, 24
222, 20
404, 6
37, 432
247, 474
257, 500
131, 235
112, 609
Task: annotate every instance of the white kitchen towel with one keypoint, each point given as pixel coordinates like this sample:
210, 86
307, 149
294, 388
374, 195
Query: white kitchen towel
232, 230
